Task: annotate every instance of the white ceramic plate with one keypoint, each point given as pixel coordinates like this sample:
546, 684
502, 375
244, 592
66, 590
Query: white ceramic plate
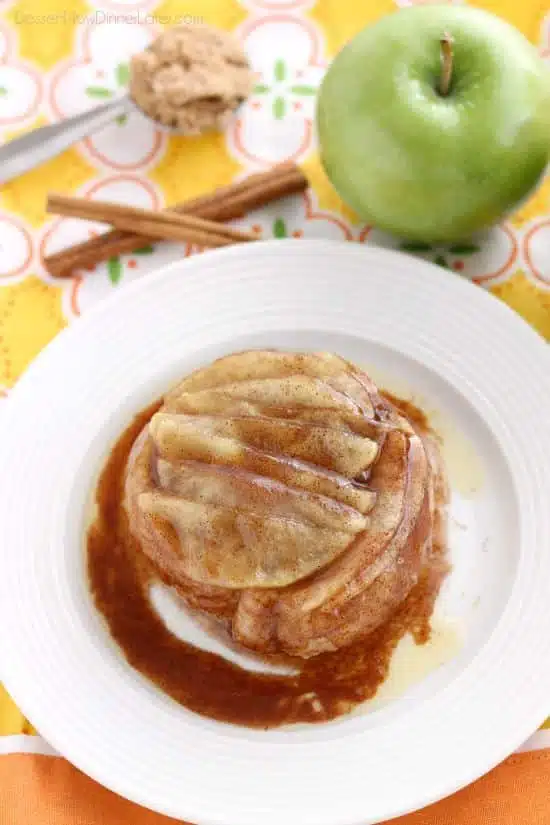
468, 356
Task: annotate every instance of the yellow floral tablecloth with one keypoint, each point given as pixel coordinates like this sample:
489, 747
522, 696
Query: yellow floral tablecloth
58, 57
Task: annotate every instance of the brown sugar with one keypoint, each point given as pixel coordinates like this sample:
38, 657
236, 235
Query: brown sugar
191, 78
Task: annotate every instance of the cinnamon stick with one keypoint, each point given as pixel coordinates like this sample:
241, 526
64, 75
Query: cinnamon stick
225, 203
165, 225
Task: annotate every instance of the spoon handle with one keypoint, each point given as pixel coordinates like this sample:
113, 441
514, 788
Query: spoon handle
31, 149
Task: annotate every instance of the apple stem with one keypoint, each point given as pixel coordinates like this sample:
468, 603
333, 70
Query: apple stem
446, 43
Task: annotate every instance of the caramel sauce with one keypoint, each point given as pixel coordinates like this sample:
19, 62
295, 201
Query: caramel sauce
320, 688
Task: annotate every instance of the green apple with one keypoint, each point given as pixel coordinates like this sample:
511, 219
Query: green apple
434, 121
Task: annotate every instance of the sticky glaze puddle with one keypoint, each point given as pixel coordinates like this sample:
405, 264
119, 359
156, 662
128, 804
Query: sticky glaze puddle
410, 662
192, 658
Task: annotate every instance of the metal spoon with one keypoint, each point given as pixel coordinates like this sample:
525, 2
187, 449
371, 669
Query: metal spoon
32, 149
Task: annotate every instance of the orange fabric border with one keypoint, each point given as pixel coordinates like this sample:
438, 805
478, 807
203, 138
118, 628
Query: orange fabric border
44, 790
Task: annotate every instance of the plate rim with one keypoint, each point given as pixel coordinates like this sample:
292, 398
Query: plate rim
173, 270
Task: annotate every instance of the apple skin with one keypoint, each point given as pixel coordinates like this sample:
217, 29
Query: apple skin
424, 166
